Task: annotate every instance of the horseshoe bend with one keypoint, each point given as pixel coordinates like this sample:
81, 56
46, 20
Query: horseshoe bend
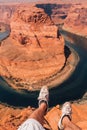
35, 53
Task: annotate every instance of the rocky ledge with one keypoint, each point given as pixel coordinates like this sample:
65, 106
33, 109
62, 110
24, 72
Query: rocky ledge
11, 118
34, 51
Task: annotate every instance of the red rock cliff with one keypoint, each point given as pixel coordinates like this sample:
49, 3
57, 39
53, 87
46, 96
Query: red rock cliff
57, 11
38, 51
76, 21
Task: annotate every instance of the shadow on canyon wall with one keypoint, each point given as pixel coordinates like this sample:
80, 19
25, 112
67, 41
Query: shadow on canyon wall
80, 41
55, 9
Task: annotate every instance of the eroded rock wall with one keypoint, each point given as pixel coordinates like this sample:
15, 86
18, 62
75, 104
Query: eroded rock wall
56, 10
38, 48
76, 21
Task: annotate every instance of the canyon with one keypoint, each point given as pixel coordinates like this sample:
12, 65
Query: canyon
6, 12
76, 20
57, 11
38, 52
35, 44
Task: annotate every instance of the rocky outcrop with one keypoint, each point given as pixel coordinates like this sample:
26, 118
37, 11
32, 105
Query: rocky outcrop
57, 11
76, 21
38, 49
11, 118
30, 57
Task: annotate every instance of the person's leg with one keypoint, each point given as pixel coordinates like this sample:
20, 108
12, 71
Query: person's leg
65, 122
39, 113
36, 119
43, 98
68, 125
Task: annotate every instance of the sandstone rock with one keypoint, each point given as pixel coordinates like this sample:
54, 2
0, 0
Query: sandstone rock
34, 23
57, 10
38, 48
6, 11
14, 117
76, 21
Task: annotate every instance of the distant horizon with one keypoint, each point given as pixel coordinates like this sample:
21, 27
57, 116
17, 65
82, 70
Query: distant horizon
17, 1
25, 1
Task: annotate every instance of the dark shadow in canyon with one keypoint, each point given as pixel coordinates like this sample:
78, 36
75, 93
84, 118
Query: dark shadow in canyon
49, 7
76, 86
67, 51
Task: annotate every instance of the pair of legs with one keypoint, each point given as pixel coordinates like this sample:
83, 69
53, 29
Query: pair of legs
39, 113
64, 123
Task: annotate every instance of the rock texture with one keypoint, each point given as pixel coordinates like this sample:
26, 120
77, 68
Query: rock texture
57, 11
76, 21
38, 48
6, 11
11, 118
18, 55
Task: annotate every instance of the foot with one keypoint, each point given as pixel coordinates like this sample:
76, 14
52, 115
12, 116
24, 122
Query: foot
66, 111
43, 95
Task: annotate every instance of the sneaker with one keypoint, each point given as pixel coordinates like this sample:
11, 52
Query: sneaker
66, 111
43, 95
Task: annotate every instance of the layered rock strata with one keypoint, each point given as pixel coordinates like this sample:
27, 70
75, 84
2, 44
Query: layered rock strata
76, 21
34, 51
57, 11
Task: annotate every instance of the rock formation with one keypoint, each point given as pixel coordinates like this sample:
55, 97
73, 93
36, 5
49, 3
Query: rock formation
6, 11
11, 118
38, 49
29, 56
76, 21
57, 11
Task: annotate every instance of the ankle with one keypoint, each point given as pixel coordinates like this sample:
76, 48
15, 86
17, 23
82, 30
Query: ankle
66, 116
65, 121
43, 106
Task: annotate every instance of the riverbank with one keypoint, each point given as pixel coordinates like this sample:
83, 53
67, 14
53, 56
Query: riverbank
2, 28
77, 32
80, 41
74, 37
56, 79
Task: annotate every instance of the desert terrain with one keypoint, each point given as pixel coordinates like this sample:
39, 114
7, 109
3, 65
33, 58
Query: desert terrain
34, 54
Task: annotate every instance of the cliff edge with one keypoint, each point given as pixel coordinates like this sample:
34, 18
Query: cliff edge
11, 118
76, 20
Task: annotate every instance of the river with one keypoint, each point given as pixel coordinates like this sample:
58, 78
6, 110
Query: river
72, 89
6, 33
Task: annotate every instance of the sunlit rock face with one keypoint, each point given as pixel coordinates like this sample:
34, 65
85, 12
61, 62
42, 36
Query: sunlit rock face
14, 117
77, 20
30, 23
35, 50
